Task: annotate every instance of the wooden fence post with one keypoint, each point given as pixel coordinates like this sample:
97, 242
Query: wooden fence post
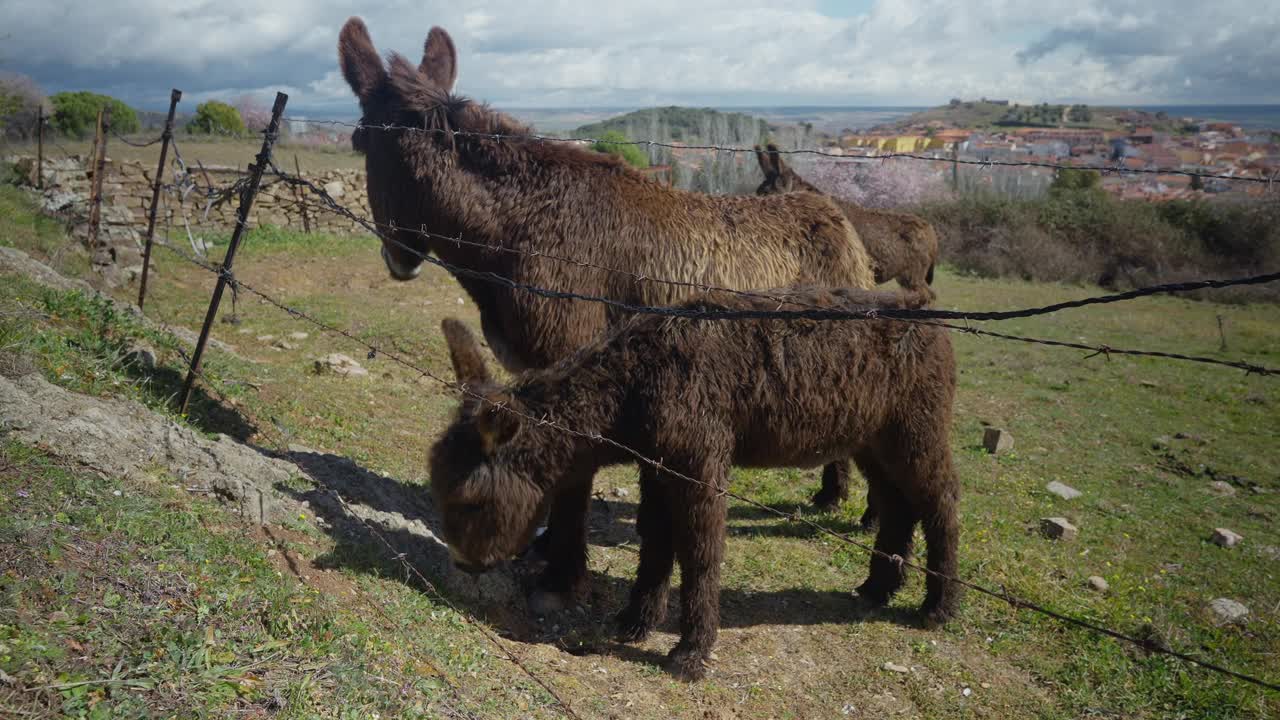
302, 200
99, 170
40, 147
174, 96
256, 170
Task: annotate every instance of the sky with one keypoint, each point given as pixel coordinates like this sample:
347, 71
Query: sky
629, 53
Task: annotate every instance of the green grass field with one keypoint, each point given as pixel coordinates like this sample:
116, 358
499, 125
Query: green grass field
155, 601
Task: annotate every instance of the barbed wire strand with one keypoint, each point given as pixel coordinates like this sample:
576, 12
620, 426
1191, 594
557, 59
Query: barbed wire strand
810, 312
1094, 350
1002, 595
534, 137
132, 143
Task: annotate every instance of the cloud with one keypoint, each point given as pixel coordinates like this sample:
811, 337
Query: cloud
579, 52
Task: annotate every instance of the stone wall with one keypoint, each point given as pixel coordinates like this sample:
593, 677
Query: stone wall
128, 186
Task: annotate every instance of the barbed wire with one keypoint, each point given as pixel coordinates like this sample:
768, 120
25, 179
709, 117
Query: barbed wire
809, 312
1001, 594
132, 143
534, 137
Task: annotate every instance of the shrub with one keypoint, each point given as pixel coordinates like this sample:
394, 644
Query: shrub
20, 102
76, 113
216, 118
631, 154
1084, 235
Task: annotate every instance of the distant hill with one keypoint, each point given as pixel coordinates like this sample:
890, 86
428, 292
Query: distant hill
705, 171
993, 115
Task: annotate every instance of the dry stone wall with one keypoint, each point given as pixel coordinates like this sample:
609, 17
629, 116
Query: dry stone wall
127, 198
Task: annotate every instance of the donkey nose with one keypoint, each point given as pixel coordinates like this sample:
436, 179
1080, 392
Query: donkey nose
398, 271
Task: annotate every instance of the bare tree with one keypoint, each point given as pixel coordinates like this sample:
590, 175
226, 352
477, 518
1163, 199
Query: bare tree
20, 101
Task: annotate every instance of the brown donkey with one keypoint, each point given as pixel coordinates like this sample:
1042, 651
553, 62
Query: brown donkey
902, 246
705, 396
558, 199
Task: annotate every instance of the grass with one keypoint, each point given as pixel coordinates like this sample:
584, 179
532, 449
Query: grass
792, 645
225, 152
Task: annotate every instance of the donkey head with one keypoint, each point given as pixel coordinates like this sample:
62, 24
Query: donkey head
778, 176
486, 468
395, 96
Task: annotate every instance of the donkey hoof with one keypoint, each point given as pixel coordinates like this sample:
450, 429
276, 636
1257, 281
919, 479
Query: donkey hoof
873, 595
545, 602
633, 625
824, 501
687, 665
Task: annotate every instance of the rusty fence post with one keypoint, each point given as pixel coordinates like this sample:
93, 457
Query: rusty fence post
302, 200
174, 96
40, 146
256, 170
99, 170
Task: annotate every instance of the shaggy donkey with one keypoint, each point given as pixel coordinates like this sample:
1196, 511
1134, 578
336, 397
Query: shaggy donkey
558, 199
902, 246
704, 396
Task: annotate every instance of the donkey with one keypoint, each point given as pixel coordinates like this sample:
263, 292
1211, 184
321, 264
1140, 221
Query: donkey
540, 199
902, 246
704, 396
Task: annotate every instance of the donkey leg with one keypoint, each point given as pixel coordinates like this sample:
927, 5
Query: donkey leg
936, 506
865, 462
564, 581
835, 486
698, 522
893, 541
648, 604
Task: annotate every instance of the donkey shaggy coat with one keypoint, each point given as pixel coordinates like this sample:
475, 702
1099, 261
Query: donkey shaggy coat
703, 397
902, 246
540, 199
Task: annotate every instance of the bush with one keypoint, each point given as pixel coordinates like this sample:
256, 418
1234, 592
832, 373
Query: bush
20, 102
216, 118
1083, 235
632, 154
76, 114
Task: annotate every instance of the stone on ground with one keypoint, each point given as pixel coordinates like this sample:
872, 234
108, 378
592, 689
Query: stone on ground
1098, 583
1223, 537
1066, 492
339, 364
1057, 528
997, 441
1228, 611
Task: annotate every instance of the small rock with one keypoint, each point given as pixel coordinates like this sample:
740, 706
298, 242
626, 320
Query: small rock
1228, 610
117, 493
243, 331
621, 492
1149, 383
1058, 528
997, 441
284, 345
1160, 443
894, 667
460, 301
59, 616
1187, 436
1256, 398
1098, 583
298, 336
966, 692
141, 356
266, 338
339, 364
1223, 537
1222, 487
1066, 492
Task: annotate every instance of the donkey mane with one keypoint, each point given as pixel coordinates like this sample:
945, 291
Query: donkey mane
442, 113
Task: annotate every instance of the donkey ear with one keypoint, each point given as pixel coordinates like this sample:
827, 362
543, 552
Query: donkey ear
763, 160
496, 425
440, 59
360, 63
468, 365
779, 165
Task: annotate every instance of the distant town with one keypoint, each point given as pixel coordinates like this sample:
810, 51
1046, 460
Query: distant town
1123, 140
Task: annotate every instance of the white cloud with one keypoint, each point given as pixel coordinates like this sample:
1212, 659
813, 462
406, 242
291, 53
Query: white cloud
575, 52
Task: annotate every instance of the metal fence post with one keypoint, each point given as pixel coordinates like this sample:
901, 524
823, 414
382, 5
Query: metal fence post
99, 170
174, 96
242, 220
